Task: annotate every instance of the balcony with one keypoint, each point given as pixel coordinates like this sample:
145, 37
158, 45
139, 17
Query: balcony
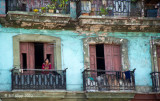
100, 80
38, 79
41, 6
34, 20
119, 8
106, 7
37, 14
155, 81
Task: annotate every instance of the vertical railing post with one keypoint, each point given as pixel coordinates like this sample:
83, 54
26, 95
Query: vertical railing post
133, 77
12, 79
84, 80
64, 75
134, 81
142, 10
155, 82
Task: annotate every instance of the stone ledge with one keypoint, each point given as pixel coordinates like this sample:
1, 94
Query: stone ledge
114, 17
38, 17
40, 14
120, 24
31, 20
67, 95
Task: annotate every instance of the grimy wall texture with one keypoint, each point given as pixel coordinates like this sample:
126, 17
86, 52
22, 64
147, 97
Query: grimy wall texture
139, 54
137, 32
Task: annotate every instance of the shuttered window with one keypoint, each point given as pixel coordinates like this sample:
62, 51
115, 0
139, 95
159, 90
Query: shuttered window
49, 52
28, 49
112, 57
27, 55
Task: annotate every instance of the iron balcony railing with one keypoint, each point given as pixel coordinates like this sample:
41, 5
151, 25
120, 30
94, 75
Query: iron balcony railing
123, 8
38, 79
155, 81
30, 5
120, 8
100, 80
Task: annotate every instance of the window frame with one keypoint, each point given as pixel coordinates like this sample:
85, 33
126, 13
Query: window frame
106, 40
36, 38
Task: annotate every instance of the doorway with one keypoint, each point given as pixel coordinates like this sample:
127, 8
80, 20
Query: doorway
100, 58
39, 55
32, 55
105, 57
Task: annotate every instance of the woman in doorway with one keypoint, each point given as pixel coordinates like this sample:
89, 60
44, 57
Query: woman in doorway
46, 65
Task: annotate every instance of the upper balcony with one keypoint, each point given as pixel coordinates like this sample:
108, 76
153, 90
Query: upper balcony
119, 15
41, 14
92, 15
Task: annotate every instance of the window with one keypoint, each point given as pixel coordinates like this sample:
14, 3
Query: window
105, 57
33, 54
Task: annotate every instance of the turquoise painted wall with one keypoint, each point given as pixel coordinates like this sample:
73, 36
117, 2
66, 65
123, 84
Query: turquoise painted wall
2, 7
72, 55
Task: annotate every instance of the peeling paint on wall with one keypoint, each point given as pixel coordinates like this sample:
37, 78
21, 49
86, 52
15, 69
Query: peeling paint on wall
73, 53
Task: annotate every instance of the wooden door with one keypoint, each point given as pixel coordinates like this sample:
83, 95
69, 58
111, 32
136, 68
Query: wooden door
117, 58
49, 53
31, 56
93, 60
24, 63
27, 55
112, 57
158, 57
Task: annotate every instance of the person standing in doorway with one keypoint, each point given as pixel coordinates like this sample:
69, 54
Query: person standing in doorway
46, 65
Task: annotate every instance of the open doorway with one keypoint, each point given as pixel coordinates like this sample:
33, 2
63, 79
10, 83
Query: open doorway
39, 55
100, 57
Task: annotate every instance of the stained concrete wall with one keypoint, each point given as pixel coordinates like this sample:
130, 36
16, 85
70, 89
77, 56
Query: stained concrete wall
72, 54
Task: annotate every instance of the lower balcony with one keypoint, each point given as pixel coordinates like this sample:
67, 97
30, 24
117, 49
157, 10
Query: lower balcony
155, 81
38, 79
100, 80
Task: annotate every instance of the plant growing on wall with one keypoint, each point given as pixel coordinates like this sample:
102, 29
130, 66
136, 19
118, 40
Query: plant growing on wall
51, 8
53, 1
63, 4
133, 0
43, 9
104, 11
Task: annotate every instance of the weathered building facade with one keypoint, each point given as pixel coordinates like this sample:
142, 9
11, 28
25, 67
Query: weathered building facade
99, 50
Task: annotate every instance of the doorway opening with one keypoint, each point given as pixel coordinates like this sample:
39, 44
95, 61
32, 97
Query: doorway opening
100, 57
39, 55
24, 60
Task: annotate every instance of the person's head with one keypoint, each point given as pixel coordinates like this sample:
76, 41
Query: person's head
46, 61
